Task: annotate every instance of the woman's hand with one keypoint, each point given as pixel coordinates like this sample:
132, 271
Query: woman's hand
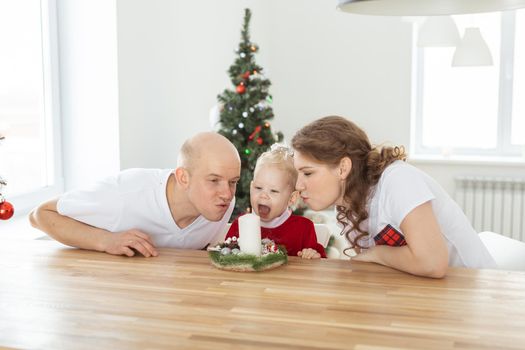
309, 253
426, 252
365, 255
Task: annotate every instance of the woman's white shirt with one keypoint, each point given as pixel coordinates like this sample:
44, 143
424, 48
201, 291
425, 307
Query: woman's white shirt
401, 188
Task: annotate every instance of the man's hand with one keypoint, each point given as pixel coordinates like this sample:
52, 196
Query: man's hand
128, 242
78, 234
309, 253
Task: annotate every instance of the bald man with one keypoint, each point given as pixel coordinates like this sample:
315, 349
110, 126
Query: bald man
142, 209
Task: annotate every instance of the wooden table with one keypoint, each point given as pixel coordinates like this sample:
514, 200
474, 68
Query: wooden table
56, 297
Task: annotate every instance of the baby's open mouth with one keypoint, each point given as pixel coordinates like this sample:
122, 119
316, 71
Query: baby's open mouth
263, 210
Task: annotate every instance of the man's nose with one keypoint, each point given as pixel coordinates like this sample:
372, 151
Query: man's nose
226, 192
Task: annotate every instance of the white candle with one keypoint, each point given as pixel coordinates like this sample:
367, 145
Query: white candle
250, 234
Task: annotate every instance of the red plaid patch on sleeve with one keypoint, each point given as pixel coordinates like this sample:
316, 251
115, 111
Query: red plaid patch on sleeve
390, 236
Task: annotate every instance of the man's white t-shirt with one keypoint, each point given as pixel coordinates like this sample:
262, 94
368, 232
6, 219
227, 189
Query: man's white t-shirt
136, 199
401, 188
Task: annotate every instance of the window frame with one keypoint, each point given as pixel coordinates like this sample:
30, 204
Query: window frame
23, 203
504, 149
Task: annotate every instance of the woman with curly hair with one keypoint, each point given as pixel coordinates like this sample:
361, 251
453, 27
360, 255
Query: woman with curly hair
392, 213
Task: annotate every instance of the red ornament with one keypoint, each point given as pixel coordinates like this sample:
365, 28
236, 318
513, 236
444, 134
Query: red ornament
255, 132
259, 141
246, 75
241, 89
6, 210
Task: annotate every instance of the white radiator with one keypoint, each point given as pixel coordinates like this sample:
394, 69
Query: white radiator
493, 204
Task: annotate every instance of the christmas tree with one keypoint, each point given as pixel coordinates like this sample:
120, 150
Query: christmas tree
245, 112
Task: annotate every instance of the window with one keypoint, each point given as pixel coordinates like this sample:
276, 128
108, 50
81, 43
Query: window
473, 111
29, 154
518, 91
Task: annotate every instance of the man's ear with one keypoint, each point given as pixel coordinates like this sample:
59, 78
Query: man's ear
182, 176
345, 166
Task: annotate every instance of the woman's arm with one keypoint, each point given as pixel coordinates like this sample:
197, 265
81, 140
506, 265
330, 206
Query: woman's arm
425, 254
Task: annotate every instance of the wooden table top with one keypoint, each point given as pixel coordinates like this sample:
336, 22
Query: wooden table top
53, 297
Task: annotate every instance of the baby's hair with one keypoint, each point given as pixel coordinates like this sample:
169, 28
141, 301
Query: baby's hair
280, 156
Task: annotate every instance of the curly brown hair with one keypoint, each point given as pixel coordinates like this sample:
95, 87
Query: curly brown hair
332, 138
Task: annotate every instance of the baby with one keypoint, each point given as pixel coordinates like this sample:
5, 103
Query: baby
272, 191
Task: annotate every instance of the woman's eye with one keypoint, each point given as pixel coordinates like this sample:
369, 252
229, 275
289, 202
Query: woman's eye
274, 191
258, 188
307, 174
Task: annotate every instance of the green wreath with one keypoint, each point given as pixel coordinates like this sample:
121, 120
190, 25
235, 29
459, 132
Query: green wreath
248, 262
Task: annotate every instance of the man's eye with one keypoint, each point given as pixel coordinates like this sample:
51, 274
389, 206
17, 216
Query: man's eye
258, 188
274, 191
214, 180
307, 174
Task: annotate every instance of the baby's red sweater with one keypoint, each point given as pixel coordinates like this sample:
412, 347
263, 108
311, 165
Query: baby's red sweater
295, 234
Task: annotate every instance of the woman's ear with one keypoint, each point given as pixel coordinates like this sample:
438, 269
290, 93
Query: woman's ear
345, 166
182, 176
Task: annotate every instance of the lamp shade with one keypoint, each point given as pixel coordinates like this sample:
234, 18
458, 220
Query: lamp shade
438, 31
472, 50
426, 7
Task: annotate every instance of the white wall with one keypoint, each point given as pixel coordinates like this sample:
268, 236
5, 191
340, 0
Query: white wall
89, 89
174, 56
327, 62
444, 172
